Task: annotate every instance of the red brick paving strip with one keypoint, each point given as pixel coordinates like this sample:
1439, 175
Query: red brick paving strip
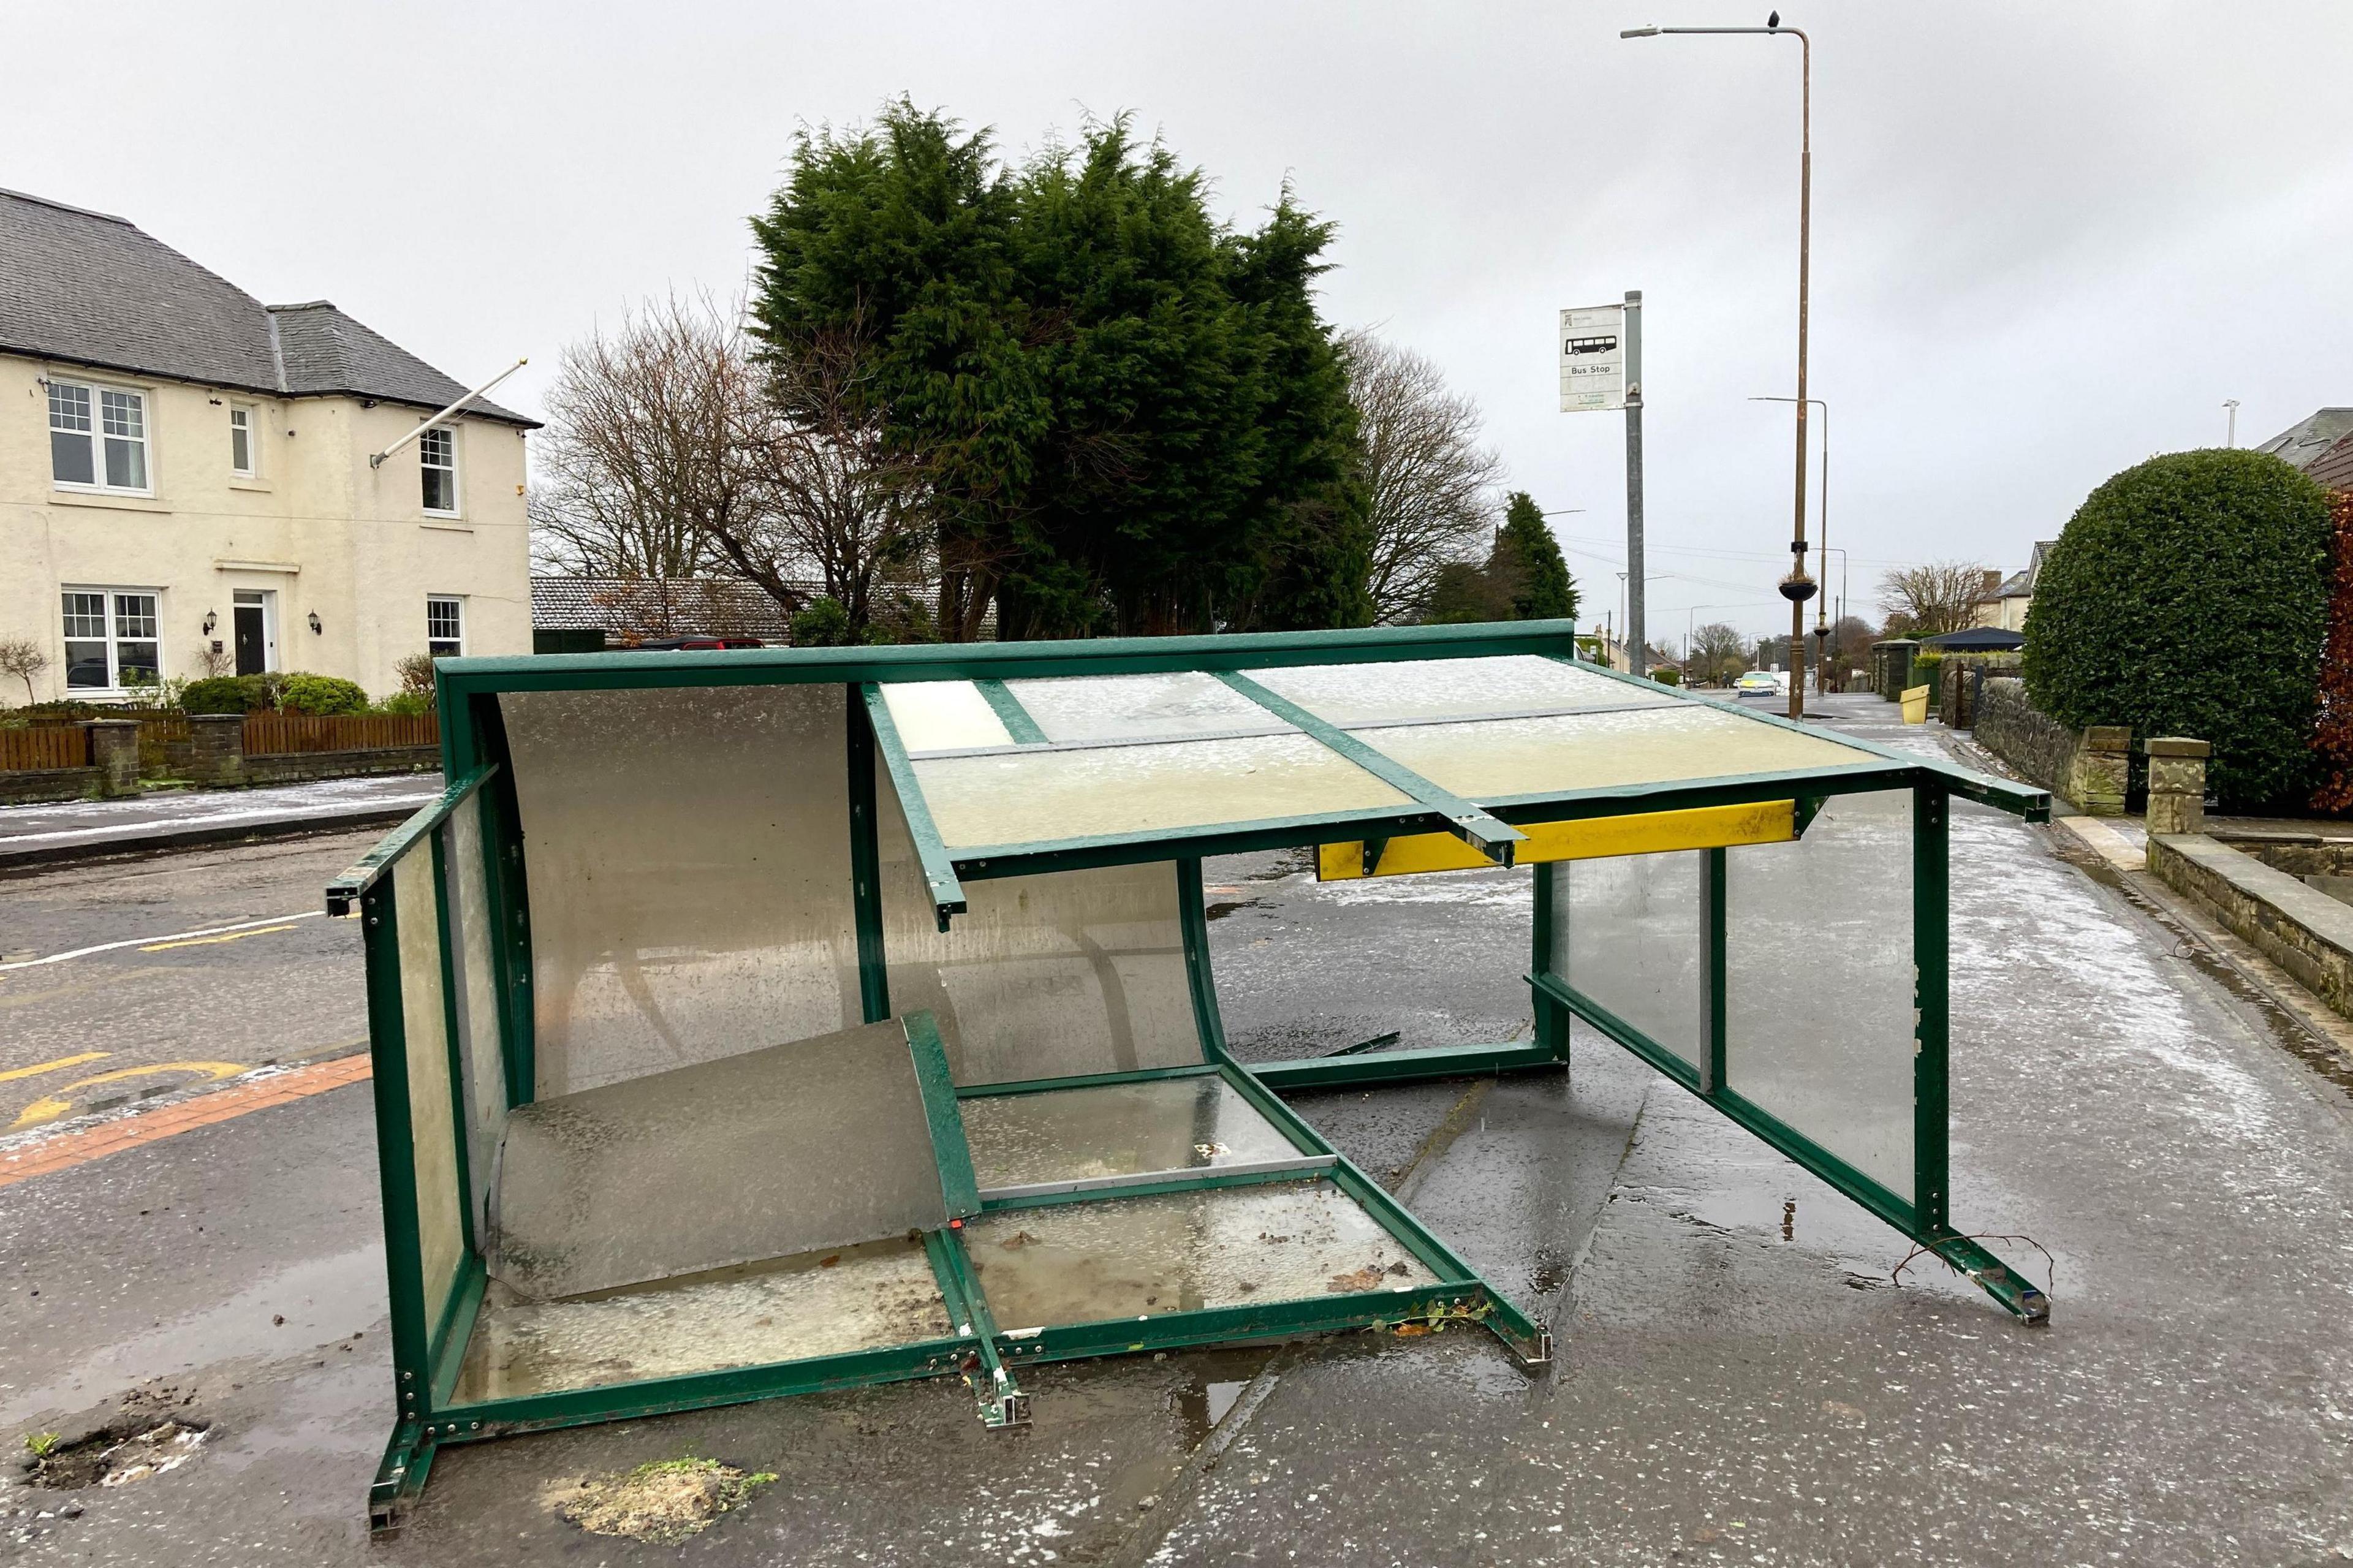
70, 1149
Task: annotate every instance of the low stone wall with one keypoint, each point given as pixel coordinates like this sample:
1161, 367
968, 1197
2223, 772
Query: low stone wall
2298, 854
21, 786
1957, 703
293, 767
2301, 930
2086, 769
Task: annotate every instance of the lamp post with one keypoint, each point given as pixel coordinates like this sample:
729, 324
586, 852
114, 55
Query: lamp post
2230, 438
1821, 549
1797, 587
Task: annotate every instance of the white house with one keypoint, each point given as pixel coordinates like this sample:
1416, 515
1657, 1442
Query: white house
185, 483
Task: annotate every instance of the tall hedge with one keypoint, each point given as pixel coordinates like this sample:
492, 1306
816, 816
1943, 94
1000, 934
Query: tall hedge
2188, 596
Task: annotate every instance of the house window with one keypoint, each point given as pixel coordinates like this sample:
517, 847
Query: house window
437, 450
98, 436
110, 640
240, 442
444, 626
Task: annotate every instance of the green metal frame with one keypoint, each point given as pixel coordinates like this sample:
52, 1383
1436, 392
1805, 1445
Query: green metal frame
1924, 1216
429, 1339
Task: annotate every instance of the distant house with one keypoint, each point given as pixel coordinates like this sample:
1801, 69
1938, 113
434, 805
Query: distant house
2309, 441
627, 610
2334, 467
185, 483
2005, 608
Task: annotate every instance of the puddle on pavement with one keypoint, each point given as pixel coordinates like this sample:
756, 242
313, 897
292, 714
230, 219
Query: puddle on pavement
2316, 1052
661, 1503
113, 1456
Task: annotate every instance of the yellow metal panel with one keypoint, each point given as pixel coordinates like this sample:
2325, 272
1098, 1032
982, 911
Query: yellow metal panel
1592, 838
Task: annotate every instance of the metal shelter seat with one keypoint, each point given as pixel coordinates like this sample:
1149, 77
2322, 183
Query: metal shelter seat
755, 1021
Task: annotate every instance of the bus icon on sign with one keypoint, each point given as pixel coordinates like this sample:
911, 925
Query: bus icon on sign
1600, 345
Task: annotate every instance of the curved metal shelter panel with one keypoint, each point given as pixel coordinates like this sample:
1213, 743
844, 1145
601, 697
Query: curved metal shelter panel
688, 868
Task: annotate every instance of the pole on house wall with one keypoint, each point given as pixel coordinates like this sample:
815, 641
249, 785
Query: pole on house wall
1638, 651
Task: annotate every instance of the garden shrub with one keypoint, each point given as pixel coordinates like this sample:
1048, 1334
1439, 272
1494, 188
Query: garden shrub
321, 695
1667, 675
228, 694
1928, 670
2188, 595
408, 704
2333, 739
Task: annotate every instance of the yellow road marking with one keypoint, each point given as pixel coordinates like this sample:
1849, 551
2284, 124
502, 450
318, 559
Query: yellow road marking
39, 1067
210, 941
49, 1108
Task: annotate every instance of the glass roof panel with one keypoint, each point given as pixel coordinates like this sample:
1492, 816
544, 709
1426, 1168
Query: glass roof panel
1030, 797
943, 715
1409, 689
1116, 707
1686, 743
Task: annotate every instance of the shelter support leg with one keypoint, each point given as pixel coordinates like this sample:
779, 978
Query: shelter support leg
399, 1480
2021, 1295
1529, 1342
1002, 1402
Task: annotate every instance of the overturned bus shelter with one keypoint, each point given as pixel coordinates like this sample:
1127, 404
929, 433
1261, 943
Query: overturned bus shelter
754, 1023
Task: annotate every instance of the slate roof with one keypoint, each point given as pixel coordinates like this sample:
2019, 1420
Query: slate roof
2021, 585
658, 608
2334, 467
2306, 442
85, 288
1976, 639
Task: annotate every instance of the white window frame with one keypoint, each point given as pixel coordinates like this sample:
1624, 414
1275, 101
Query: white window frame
425, 443
98, 436
111, 619
457, 602
251, 415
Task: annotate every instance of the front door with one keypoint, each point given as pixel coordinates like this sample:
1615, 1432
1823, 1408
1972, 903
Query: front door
252, 634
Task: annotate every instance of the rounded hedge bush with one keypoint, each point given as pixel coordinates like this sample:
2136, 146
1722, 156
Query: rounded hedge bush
321, 695
2188, 596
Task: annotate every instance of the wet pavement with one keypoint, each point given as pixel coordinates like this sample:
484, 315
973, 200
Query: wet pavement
182, 817
1740, 1380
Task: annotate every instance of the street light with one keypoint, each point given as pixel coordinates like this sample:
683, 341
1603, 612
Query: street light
1821, 624
2231, 440
1797, 587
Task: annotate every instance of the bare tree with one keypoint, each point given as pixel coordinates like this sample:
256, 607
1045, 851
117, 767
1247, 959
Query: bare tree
643, 455
1941, 597
25, 660
1430, 482
1717, 654
839, 504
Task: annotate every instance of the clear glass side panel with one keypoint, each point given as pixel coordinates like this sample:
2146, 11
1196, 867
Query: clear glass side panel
1818, 1025
1116, 1129
1600, 751
432, 1108
1032, 797
942, 715
1408, 689
820, 1303
481, 1064
1109, 707
688, 853
1181, 1252
822, 1143
1047, 976
1628, 932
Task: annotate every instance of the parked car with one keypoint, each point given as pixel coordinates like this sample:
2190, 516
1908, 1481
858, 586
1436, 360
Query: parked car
1756, 683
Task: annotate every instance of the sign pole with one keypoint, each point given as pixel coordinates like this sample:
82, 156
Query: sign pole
1638, 649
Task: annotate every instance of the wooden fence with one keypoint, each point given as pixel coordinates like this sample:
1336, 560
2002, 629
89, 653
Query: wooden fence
50, 746
268, 734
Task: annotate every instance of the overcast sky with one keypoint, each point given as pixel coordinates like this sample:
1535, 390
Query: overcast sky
2047, 241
